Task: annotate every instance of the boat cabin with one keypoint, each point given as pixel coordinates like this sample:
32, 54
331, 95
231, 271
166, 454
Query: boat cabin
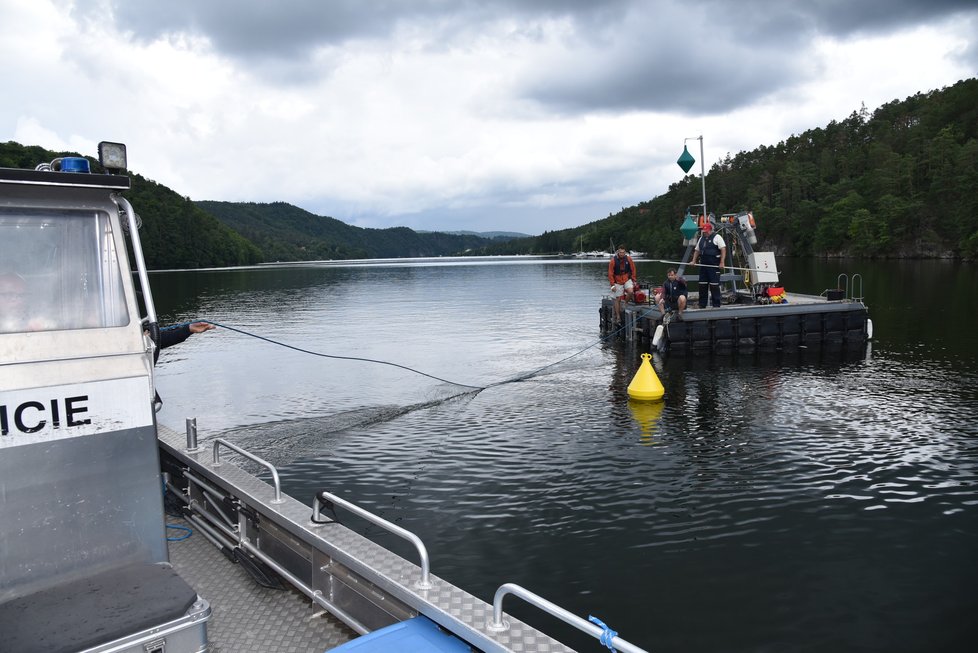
83, 551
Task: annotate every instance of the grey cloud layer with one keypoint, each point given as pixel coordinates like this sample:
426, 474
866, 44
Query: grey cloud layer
617, 55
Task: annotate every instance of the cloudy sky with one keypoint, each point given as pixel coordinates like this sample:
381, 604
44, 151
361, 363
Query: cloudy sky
469, 114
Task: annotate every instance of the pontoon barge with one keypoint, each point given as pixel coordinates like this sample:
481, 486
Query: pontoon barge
756, 313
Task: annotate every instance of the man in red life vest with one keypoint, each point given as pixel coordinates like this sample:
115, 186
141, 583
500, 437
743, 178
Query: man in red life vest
623, 277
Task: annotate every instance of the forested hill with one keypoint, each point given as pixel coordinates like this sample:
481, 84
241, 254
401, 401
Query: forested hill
901, 181
175, 233
287, 233
180, 233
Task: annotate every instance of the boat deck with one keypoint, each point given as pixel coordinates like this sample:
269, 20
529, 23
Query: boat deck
363, 586
248, 618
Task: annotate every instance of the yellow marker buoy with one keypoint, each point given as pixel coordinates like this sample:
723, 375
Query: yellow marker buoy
645, 385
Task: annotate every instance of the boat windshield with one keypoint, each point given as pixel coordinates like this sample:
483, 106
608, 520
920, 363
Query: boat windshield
59, 269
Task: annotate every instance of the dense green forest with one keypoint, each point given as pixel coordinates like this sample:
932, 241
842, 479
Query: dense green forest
900, 182
287, 233
175, 232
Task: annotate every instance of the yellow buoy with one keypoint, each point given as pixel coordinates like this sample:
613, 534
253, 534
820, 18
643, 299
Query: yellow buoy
645, 385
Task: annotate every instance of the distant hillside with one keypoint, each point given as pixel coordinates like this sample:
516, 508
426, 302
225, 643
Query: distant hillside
491, 235
180, 233
899, 182
287, 233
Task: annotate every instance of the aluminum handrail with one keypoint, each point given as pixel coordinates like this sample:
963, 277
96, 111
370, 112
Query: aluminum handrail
424, 583
497, 624
137, 251
838, 284
264, 463
857, 277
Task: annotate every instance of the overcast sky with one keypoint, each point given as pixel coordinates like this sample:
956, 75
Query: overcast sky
479, 115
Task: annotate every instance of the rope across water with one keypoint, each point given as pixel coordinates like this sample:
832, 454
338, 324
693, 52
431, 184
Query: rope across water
478, 388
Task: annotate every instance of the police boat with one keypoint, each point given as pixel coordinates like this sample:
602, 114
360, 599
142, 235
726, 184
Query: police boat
747, 309
85, 472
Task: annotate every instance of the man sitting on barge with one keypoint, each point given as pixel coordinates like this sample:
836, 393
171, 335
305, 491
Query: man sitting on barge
673, 296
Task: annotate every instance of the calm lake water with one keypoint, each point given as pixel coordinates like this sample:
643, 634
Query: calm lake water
804, 501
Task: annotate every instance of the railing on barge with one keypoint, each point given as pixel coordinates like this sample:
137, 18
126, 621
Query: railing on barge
360, 582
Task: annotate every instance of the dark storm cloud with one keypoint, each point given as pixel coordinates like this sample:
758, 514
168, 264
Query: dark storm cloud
867, 17
667, 72
713, 57
287, 27
703, 57
277, 40
255, 30
291, 28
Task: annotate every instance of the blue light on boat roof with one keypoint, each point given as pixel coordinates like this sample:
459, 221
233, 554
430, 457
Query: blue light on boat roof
75, 164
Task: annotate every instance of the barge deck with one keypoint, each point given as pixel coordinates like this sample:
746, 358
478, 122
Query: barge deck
749, 308
801, 321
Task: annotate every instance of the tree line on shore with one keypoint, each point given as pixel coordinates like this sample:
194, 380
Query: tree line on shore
897, 182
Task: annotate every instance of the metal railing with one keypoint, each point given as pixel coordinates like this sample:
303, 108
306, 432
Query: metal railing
840, 286
321, 497
223, 535
137, 250
498, 625
264, 463
857, 297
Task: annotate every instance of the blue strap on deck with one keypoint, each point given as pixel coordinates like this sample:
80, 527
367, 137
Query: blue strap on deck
608, 633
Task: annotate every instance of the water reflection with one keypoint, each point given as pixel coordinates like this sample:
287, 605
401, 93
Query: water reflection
647, 414
812, 500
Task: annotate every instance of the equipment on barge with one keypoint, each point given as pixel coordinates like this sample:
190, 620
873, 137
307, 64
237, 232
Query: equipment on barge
84, 468
756, 311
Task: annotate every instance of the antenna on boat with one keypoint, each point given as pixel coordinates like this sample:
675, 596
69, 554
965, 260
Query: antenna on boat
686, 162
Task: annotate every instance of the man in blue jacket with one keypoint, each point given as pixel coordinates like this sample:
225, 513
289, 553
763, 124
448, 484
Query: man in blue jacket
174, 335
711, 251
674, 293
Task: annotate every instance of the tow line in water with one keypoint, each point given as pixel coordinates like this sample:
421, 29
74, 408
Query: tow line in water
477, 388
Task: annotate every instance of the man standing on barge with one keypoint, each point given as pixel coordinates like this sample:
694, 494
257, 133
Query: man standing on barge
711, 251
623, 277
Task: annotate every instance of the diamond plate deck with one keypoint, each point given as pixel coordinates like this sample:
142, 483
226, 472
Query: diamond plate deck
248, 618
447, 605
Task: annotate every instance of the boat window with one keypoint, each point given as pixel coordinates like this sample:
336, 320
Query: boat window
59, 269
